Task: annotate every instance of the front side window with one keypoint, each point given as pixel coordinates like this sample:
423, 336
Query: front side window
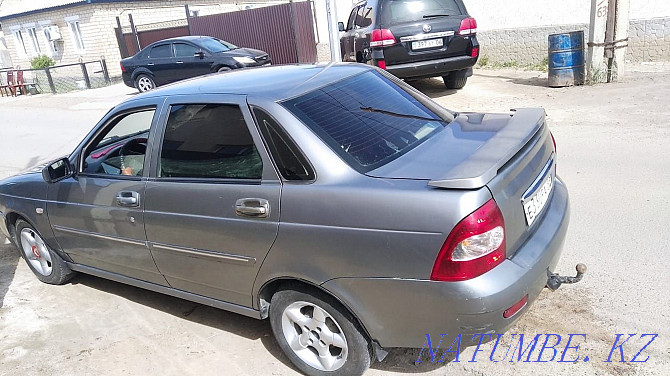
368, 119
184, 50
121, 149
208, 141
161, 51
352, 18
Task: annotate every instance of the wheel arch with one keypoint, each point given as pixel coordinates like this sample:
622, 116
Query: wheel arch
142, 70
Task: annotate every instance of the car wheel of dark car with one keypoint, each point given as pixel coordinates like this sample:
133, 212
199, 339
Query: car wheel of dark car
317, 334
47, 265
455, 83
144, 83
223, 69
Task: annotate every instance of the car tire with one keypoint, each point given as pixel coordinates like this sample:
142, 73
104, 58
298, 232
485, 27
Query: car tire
47, 266
144, 83
455, 83
223, 69
292, 317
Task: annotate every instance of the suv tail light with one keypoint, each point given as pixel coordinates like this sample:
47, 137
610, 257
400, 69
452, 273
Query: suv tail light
381, 38
123, 69
468, 27
475, 246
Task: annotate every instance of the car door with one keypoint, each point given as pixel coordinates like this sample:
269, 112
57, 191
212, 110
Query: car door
212, 202
97, 215
162, 64
190, 65
347, 40
362, 30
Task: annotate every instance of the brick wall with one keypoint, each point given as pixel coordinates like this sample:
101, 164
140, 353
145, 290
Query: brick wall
97, 23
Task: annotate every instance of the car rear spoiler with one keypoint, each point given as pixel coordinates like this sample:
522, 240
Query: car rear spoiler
483, 165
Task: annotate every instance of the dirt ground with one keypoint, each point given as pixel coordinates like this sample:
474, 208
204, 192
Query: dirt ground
614, 154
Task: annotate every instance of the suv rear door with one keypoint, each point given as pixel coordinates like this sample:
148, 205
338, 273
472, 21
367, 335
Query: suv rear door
415, 22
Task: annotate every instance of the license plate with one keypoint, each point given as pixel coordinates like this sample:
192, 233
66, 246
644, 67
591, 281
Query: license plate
535, 203
429, 43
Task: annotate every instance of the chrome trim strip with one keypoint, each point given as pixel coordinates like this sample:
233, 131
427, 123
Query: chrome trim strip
99, 236
200, 252
539, 180
441, 34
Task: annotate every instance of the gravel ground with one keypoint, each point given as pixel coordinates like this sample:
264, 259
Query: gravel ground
613, 146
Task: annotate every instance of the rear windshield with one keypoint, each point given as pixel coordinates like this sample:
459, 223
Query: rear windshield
400, 11
367, 119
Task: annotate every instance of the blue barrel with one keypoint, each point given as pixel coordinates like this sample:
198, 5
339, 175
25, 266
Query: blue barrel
566, 59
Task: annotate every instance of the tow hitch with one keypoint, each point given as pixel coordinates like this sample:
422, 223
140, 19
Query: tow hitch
555, 281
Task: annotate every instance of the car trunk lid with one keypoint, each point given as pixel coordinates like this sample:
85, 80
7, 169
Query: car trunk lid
507, 154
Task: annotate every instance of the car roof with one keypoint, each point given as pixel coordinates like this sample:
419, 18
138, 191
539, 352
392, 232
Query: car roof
275, 83
188, 38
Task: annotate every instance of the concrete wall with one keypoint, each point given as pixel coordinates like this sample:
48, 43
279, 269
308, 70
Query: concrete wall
97, 23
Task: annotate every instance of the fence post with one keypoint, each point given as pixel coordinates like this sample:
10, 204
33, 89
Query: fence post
294, 30
188, 19
84, 72
52, 87
123, 48
134, 30
105, 72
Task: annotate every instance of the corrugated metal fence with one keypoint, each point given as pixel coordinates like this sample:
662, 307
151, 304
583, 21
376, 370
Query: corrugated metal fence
285, 31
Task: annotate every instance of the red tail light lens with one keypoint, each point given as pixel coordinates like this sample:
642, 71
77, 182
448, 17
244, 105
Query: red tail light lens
468, 27
123, 69
475, 52
381, 38
475, 246
381, 64
511, 311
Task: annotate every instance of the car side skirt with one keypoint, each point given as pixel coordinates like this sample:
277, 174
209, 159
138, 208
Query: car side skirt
246, 311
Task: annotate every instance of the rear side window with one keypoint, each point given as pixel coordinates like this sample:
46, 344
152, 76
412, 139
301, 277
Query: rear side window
164, 50
290, 161
367, 119
400, 11
209, 141
364, 17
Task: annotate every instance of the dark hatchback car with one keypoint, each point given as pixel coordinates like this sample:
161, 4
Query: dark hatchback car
413, 38
175, 59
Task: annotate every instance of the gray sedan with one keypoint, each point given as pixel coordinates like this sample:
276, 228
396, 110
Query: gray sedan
334, 200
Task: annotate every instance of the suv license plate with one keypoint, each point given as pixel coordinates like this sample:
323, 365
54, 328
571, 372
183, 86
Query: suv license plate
430, 43
533, 205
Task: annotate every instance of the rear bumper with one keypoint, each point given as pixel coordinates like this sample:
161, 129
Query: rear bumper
432, 68
400, 312
127, 79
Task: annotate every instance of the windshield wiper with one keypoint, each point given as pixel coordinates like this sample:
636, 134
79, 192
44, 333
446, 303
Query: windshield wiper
390, 113
436, 15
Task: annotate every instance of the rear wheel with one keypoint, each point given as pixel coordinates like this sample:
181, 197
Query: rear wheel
45, 264
317, 334
144, 83
455, 83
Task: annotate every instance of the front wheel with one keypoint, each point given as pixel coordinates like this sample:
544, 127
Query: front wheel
45, 263
317, 334
144, 83
454, 83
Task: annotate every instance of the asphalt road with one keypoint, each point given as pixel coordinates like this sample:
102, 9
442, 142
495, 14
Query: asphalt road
614, 154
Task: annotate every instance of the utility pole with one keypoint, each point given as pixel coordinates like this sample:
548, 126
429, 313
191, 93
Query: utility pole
608, 39
333, 31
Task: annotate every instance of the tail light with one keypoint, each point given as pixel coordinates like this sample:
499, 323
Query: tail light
381, 64
468, 27
475, 52
123, 69
475, 246
381, 38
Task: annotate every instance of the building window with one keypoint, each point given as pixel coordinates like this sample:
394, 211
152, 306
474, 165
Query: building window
34, 43
52, 35
76, 35
20, 44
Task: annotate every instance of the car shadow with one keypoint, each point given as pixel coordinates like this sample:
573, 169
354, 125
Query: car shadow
434, 88
219, 319
9, 259
531, 81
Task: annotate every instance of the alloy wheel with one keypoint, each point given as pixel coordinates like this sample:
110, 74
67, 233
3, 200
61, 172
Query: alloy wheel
36, 252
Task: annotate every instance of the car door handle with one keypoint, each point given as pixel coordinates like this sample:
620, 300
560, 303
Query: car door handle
150, 64
128, 198
252, 207
180, 62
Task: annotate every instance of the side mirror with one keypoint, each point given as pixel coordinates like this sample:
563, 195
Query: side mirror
57, 171
340, 26
199, 55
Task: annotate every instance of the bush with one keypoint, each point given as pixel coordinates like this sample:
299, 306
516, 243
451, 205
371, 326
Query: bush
41, 62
